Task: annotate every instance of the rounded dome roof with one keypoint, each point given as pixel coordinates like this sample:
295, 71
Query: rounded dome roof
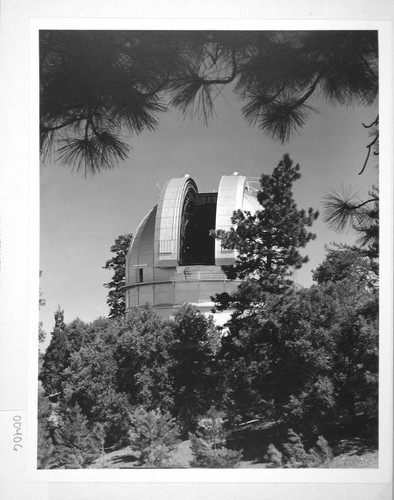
171, 232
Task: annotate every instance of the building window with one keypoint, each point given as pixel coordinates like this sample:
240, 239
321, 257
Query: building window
140, 275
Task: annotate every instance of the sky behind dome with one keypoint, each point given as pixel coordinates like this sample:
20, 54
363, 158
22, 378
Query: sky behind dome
81, 217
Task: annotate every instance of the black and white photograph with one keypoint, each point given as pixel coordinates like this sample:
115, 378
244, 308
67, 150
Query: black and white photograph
209, 249
207, 281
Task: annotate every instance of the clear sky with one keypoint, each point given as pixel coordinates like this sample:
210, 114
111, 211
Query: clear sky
80, 218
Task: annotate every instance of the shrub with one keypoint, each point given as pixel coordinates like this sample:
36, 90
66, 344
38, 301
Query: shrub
154, 434
46, 458
45, 446
294, 452
273, 456
78, 444
295, 456
208, 443
322, 453
100, 434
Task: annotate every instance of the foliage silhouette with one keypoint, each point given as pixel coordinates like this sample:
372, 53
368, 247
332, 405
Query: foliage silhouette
97, 86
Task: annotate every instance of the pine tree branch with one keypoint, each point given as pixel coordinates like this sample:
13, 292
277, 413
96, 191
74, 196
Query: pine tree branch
219, 81
307, 94
374, 123
46, 128
369, 147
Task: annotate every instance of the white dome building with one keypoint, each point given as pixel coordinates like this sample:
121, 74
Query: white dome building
172, 258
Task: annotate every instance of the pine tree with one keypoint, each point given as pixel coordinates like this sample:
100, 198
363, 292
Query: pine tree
90, 380
194, 372
294, 451
54, 360
46, 452
142, 353
154, 434
268, 245
208, 443
343, 211
268, 242
77, 444
116, 295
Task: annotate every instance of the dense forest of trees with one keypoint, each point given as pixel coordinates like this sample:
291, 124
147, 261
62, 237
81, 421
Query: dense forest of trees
307, 359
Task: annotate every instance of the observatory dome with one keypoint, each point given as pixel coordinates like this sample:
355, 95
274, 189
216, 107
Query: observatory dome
172, 258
